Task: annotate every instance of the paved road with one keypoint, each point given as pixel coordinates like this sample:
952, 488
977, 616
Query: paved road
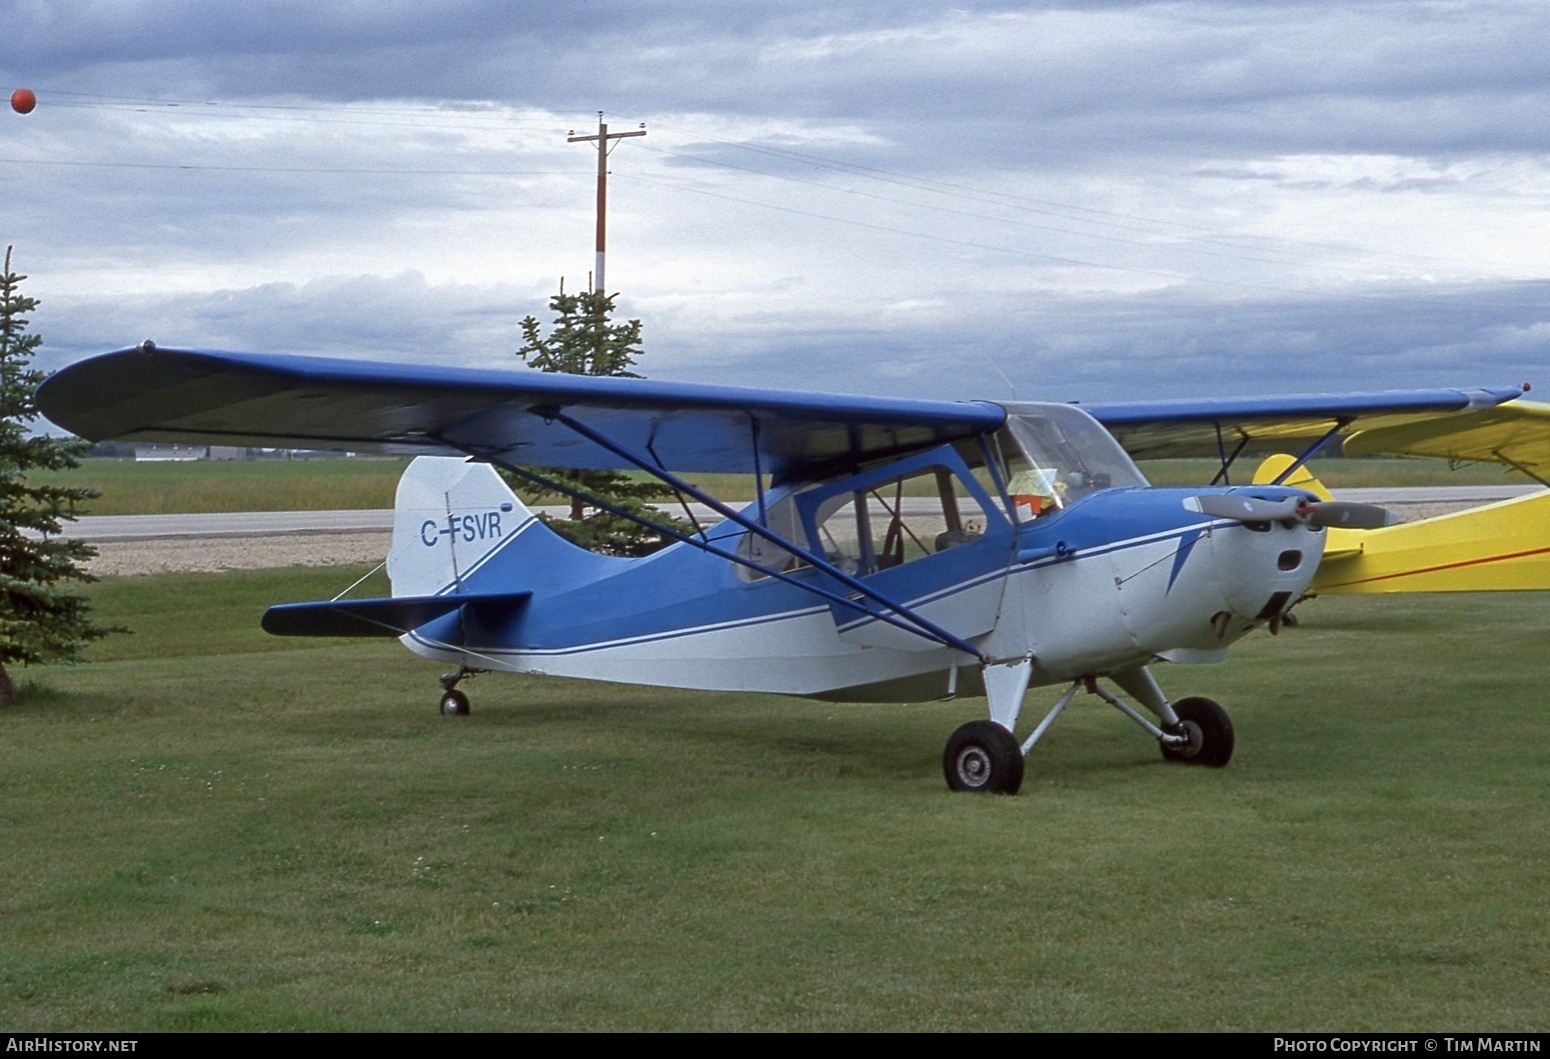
105, 528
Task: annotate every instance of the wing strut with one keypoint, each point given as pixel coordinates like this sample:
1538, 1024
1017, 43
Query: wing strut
923, 628
1312, 450
1521, 468
1227, 461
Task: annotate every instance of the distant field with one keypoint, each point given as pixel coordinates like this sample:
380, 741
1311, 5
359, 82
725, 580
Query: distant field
212, 829
169, 488
130, 488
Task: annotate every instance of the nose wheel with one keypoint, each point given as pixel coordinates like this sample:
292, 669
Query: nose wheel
1207, 731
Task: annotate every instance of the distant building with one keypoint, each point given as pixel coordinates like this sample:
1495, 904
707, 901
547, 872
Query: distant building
170, 453
189, 453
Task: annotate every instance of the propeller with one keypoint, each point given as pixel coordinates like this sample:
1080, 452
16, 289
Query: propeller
1321, 513
1342, 515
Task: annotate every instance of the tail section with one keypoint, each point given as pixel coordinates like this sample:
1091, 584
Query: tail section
450, 517
1301, 478
453, 521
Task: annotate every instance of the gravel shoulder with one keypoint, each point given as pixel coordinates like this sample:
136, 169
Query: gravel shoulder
165, 555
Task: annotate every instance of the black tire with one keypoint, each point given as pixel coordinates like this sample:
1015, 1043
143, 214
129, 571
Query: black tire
1210, 734
983, 758
454, 704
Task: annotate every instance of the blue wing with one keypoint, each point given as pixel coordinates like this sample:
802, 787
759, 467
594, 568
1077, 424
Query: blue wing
197, 397
204, 397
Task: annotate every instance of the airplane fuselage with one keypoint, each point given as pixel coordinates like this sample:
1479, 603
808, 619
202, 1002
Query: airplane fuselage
1120, 577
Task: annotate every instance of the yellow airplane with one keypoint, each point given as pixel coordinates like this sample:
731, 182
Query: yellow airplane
1498, 547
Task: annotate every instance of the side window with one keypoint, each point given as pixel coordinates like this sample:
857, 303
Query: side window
877, 528
897, 521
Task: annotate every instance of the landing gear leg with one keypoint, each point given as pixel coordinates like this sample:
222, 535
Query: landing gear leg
982, 757
453, 702
1195, 731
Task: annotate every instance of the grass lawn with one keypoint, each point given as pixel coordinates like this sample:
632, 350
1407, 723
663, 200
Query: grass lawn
212, 829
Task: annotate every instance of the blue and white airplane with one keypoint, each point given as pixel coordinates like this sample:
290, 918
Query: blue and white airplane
896, 551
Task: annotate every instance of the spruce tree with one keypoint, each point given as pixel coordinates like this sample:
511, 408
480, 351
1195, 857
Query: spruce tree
41, 620
584, 340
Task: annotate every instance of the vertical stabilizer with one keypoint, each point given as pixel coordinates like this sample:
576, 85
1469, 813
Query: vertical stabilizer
450, 516
1301, 478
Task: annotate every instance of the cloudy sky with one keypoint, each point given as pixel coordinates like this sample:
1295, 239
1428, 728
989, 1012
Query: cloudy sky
1094, 200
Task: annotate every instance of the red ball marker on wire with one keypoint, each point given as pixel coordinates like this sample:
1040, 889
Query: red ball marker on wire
23, 100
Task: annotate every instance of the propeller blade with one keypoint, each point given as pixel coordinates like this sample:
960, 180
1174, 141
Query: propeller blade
1338, 515
1244, 508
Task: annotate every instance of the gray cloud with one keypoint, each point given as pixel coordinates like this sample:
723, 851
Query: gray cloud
1084, 348
1074, 80
1108, 200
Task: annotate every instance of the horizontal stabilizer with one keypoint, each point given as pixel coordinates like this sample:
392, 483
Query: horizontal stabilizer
1499, 547
383, 617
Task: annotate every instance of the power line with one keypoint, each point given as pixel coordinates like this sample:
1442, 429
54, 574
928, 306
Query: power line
1047, 207
1030, 225
1430, 301
959, 192
1032, 204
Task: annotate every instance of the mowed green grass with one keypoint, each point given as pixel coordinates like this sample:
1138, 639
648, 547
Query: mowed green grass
201, 486
214, 829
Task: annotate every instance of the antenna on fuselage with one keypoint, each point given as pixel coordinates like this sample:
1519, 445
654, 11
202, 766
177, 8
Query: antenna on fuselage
1009, 383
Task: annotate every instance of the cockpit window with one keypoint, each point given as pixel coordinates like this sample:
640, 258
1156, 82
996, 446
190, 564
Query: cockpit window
1056, 453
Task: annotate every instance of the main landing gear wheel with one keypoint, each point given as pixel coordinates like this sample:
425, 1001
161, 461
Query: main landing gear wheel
983, 758
1209, 730
454, 704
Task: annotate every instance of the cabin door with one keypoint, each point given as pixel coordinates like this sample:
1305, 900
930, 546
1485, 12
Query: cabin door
922, 533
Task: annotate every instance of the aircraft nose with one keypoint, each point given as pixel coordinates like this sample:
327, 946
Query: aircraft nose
1264, 567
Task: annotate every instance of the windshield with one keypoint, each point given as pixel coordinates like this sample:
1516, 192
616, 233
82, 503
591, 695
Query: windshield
1056, 453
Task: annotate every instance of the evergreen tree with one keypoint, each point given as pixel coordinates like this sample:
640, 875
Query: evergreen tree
585, 341
40, 620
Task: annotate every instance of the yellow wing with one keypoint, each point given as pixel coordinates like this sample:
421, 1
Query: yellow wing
1517, 434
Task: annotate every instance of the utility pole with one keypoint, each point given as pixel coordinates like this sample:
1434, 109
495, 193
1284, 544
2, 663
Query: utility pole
602, 138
